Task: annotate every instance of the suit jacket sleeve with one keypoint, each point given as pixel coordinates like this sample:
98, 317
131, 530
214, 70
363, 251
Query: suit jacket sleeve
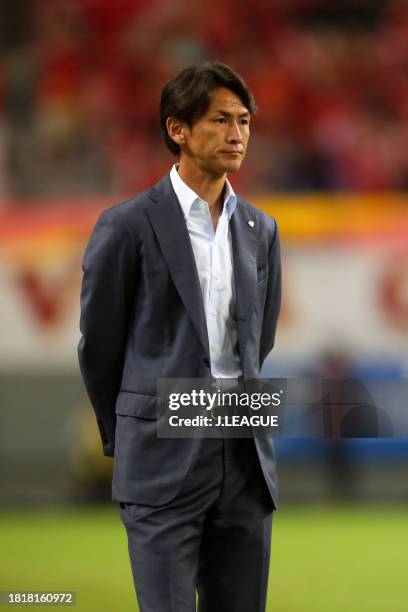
106, 298
273, 299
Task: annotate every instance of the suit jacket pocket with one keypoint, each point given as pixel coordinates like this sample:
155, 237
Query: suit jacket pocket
139, 405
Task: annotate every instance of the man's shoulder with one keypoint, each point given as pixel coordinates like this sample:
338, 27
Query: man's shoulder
130, 210
133, 210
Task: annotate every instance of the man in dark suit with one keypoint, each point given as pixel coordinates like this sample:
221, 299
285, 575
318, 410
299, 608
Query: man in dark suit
183, 281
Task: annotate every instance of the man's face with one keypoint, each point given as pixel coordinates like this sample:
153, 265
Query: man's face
217, 142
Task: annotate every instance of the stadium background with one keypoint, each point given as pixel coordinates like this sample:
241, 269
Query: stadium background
328, 157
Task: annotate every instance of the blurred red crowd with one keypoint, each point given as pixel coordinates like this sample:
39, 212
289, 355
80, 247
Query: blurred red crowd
79, 91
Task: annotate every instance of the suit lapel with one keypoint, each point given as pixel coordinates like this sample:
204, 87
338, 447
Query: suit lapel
245, 274
170, 228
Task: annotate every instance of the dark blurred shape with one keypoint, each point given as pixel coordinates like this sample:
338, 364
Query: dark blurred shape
355, 14
91, 472
15, 25
366, 421
335, 363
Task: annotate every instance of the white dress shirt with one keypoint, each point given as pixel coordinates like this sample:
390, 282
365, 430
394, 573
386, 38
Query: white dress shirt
213, 256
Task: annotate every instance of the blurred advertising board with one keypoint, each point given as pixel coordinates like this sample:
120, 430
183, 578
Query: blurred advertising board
345, 277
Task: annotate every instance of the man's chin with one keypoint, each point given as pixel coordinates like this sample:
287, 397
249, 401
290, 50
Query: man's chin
226, 167
233, 165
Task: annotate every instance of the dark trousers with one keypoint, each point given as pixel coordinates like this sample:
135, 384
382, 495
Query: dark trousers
213, 538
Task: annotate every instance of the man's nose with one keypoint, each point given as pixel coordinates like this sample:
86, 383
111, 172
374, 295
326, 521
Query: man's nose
234, 133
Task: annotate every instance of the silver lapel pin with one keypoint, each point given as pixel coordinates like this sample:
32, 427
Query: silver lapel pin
251, 223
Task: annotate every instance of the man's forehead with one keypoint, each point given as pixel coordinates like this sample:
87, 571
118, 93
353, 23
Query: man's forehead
224, 99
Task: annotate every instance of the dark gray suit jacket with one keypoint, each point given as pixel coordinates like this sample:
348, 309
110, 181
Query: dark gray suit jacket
142, 318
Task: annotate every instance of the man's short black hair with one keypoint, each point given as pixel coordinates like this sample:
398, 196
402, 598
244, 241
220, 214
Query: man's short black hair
187, 95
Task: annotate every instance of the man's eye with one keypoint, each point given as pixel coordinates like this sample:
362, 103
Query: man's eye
220, 120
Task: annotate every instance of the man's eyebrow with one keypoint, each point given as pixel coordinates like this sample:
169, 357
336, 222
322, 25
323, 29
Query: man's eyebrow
227, 114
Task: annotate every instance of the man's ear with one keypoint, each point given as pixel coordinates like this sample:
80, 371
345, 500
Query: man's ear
176, 130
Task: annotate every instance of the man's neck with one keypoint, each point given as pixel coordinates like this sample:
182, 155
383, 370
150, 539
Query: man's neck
207, 187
